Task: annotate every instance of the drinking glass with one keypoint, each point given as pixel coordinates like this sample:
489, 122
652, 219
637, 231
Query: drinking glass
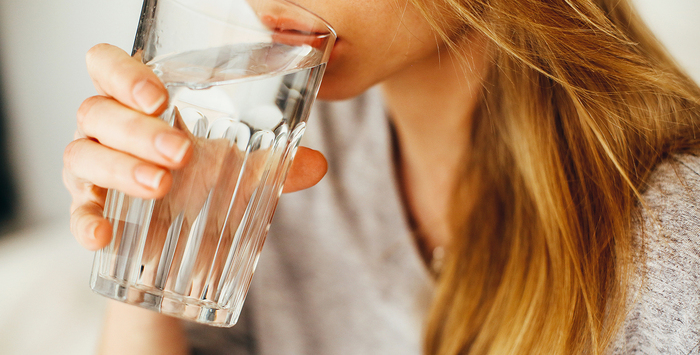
241, 78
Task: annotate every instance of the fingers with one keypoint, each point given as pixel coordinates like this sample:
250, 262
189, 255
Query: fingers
130, 131
88, 226
87, 165
124, 78
118, 146
307, 170
86, 160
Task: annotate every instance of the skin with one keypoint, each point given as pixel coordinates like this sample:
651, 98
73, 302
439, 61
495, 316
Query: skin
119, 144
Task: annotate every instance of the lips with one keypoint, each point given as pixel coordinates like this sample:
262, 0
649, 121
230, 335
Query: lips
293, 33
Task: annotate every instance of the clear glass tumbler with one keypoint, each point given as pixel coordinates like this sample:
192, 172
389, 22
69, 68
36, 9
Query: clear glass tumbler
242, 76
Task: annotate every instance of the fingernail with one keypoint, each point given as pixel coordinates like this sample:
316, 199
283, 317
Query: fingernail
148, 96
149, 176
173, 146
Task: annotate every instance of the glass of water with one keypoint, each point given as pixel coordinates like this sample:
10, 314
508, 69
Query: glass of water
241, 76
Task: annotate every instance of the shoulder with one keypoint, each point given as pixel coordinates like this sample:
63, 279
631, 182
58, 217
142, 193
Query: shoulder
664, 312
668, 227
670, 207
674, 182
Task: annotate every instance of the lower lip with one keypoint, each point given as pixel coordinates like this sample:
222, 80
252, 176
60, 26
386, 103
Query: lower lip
337, 47
284, 24
289, 31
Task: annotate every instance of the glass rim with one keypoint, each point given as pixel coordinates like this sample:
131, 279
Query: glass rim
326, 25
329, 27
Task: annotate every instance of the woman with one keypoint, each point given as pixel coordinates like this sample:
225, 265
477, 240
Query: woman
545, 146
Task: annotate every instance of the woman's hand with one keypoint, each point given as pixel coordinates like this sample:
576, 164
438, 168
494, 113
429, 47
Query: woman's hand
120, 143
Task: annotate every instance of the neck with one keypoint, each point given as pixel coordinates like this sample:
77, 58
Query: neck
431, 104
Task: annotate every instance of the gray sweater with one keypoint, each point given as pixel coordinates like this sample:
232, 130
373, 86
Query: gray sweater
665, 304
341, 274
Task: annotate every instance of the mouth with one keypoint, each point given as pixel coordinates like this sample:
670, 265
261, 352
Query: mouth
290, 32
336, 49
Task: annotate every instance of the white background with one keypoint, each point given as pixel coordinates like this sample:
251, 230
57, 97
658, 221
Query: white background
42, 47
42, 51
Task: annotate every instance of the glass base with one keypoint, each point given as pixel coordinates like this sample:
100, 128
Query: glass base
205, 312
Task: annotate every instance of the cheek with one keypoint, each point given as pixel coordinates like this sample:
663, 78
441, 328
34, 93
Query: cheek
377, 39
357, 68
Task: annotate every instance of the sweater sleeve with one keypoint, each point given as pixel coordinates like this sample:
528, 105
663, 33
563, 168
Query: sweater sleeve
664, 302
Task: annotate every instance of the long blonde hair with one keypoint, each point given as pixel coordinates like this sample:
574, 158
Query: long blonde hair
580, 104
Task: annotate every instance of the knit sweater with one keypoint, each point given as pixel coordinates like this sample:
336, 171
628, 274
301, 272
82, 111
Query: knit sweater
341, 273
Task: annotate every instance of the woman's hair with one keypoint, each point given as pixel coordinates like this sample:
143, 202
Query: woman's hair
579, 105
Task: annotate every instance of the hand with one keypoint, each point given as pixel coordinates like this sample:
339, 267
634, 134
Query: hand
120, 143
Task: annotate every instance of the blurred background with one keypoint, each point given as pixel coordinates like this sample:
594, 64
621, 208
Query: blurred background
45, 302
46, 306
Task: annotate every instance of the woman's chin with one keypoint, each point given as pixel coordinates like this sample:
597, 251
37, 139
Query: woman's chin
338, 89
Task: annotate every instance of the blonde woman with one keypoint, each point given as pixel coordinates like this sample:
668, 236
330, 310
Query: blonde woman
505, 177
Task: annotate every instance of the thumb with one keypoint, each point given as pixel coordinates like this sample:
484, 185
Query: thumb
307, 170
